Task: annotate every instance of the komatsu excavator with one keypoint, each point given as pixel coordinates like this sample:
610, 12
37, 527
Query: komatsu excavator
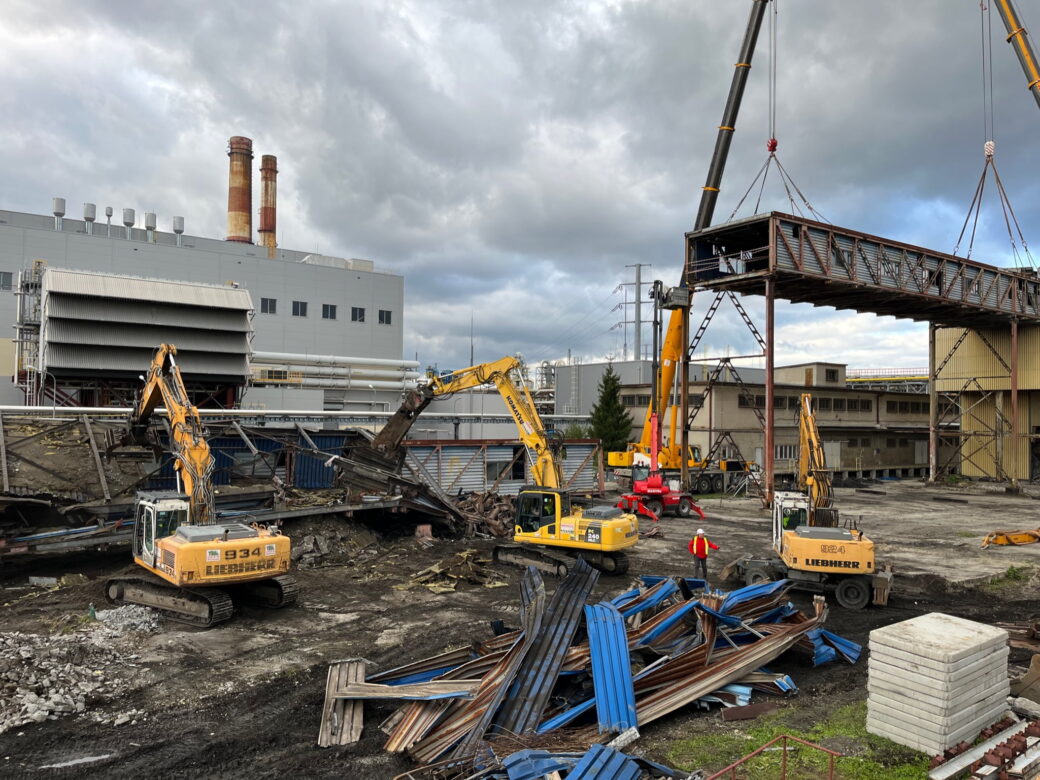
546, 523
194, 566
810, 548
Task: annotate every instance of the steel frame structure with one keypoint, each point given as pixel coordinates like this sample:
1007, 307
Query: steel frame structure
779, 255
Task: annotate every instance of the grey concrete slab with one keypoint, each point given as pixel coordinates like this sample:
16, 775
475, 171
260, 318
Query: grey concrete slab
938, 729
910, 735
938, 668
949, 686
939, 637
939, 713
948, 700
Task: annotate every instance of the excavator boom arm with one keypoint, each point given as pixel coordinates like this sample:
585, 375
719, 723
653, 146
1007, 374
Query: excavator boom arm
813, 477
193, 460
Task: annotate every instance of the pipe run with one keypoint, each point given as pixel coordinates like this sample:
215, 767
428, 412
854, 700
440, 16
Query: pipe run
302, 358
353, 372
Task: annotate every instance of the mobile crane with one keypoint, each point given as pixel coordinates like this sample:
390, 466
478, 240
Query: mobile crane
193, 564
546, 523
810, 548
670, 456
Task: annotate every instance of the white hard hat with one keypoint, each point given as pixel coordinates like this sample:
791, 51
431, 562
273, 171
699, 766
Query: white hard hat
700, 532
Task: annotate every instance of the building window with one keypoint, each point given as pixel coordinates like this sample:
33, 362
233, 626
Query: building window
6, 279
823, 404
785, 451
384, 317
890, 443
328, 311
866, 405
268, 306
853, 404
839, 404
831, 374
357, 314
299, 308
779, 402
892, 407
745, 401
904, 442
852, 442
904, 407
864, 442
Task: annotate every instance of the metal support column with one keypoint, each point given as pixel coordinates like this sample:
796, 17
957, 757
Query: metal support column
933, 409
1013, 460
767, 455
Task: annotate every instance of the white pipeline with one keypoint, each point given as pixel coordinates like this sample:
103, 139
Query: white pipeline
344, 361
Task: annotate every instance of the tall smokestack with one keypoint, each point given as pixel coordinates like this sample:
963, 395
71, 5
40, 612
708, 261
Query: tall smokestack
268, 202
240, 190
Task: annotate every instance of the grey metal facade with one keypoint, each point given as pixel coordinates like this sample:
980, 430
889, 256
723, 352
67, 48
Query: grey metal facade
289, 276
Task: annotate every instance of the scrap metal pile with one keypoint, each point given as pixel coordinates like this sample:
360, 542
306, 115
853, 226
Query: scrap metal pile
578, 674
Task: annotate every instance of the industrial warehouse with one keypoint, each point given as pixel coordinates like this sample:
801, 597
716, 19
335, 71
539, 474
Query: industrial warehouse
387, 401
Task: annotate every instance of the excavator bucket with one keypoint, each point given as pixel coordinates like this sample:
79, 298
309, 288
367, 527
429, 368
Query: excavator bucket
1011, 537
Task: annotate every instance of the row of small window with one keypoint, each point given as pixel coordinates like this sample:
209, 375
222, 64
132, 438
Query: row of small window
820, 404
328, 311
907, 407
790, 451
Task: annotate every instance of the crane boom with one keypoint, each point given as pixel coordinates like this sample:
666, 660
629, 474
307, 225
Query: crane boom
1019, 39
672, 346
193, 461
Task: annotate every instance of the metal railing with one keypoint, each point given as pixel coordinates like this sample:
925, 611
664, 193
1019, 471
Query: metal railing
732, 768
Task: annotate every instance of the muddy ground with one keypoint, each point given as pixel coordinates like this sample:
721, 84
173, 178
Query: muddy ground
246, 697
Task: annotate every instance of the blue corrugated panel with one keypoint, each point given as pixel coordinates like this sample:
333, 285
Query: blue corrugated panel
692, 582
676, 616
751, 592
611, 668
657, 594
849, 650
604, 763
310, 471
536, 764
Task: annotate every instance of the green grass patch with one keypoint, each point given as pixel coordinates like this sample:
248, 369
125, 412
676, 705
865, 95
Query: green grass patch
967, 534
865, 756
1013, 576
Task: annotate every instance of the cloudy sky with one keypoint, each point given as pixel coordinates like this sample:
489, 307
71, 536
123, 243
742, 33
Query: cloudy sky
511, 159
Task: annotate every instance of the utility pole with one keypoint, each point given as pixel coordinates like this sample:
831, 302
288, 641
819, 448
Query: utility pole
638, 322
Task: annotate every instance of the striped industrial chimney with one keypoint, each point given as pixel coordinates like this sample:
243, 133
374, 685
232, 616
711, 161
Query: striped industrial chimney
268, 202
240, 190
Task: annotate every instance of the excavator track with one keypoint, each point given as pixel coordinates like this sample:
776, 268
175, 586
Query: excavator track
610, 563
203, 607
519, 555
272, 593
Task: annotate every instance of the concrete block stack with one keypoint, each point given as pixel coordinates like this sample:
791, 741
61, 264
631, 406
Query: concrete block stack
936, 680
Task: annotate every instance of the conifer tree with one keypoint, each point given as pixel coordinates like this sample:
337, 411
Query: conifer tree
611, 423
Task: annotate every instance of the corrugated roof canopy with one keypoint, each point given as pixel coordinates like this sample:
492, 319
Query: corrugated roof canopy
131, 288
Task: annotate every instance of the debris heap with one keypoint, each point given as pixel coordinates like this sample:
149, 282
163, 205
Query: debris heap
49, 677
577, 674
487, 514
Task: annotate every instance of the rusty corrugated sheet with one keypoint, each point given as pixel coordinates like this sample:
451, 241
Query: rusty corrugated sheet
537, 676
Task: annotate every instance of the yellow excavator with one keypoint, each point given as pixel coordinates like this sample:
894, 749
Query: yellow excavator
195, 567
810, 548
548, 530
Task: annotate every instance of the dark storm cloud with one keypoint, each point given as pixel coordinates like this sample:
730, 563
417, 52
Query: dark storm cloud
510, 159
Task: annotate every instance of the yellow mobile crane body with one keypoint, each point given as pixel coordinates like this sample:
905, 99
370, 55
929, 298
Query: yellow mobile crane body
811, 549
195, 563
545, 518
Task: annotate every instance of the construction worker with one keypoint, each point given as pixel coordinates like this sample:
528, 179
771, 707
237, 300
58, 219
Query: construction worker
699, 546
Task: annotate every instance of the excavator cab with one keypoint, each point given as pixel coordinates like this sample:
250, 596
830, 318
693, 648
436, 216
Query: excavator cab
158, 515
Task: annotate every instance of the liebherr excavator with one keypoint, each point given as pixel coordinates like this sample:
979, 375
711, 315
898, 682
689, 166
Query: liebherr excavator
194, 565
546, 523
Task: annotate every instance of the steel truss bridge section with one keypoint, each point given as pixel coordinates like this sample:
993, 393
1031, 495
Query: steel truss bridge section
826, 265
778, 255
